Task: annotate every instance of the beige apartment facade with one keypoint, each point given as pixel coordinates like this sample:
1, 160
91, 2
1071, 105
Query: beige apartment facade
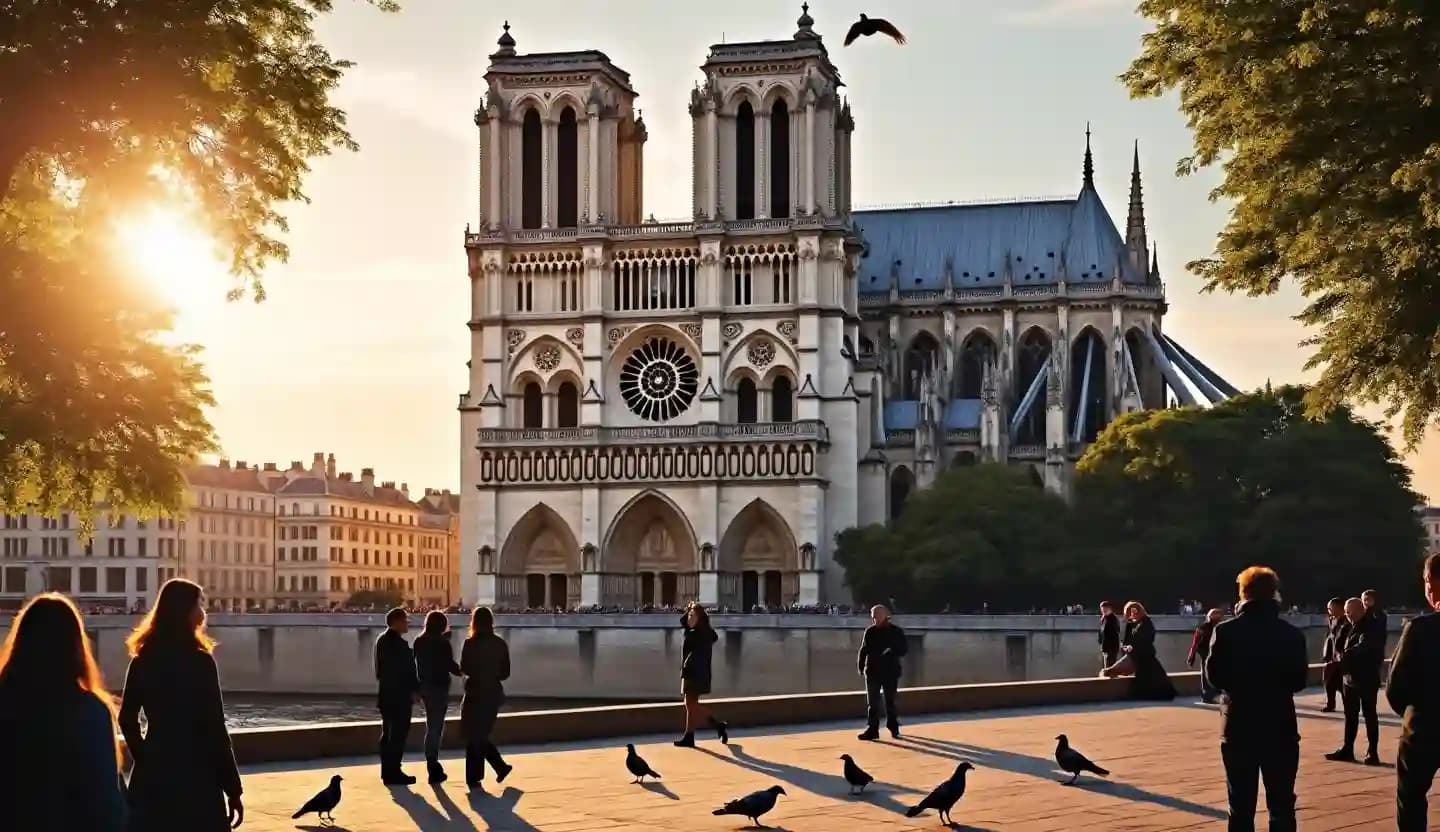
439, 542
120, 567
229, 538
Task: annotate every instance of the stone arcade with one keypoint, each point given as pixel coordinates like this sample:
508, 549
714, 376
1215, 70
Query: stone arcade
661, 411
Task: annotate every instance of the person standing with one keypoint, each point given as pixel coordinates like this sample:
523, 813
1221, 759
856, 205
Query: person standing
398, 690
1375, 615
1109, 635
1259, 662
57, 725
434, 665
1414, 693
1335, 636
485, 661
881, 650
695, 650
1361, 655
184, 773
1200, 648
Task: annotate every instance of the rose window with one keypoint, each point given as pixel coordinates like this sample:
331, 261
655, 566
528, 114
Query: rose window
659, 380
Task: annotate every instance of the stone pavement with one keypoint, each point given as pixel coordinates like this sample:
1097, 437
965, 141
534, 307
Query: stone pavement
1164, 763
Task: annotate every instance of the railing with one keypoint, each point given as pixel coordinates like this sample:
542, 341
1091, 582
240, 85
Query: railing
812, 429
1022, 293
900, 437
1027, 452
653, 229
679, 228
962, 435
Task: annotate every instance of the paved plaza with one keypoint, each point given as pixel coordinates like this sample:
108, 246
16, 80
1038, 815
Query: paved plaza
1164, 763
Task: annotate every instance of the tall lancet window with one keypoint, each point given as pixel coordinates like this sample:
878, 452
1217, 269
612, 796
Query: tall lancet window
531, 175
745, 162
567, 188
779, 159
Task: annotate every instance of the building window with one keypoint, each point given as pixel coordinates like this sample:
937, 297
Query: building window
114, 579
140, 545
782, 400
534, 406
567, 148
779, 153
142, 579
87, 579
746, 408
745, 162
531, 173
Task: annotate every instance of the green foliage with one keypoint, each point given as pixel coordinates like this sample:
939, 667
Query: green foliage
216, 105
1326, 116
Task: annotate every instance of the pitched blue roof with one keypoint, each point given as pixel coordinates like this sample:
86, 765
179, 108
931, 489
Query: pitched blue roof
963, 414
979, 242
901, 414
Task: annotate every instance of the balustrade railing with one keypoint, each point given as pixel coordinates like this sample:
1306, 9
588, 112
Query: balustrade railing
811, 429
643, 230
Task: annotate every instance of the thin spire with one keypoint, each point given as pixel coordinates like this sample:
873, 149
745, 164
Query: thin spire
1135, 235
1155, 264
1089, 168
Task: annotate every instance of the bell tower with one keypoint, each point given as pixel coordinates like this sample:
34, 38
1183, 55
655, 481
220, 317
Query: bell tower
772, 135
561, 144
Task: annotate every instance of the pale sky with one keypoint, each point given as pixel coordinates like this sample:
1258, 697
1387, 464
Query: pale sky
360, 349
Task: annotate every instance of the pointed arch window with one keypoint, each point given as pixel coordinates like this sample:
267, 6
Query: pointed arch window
745, 162
746, 402
568, 406
782, 400
1087, 387
920, 359
533, 407
1032, 360
531, 160
779, 152
977, 354
567, 149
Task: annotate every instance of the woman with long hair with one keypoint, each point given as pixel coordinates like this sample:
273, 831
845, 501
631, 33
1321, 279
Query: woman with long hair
57, 725
485, 661
695, 650
1139, 659
435, 664
184, 774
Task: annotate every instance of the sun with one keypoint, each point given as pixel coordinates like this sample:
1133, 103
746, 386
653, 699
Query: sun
174, 258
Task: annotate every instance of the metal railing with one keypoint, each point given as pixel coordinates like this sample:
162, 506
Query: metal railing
806, 429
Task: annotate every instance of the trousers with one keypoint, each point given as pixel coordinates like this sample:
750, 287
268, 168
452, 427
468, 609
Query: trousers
394, 731
478, 748
437, 700
1276, 763
1358, 699
880, 695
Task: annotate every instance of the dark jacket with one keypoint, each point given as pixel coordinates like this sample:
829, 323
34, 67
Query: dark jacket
1140, 638
1361, 655
881, 651
434, 660
1260, 663
395, 669
59, 761
184, 765
695, 652
1414, 686
1200, 643
1110, 634
485, 661
1338, 629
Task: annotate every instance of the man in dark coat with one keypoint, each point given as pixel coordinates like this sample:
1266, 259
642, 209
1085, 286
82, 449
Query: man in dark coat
1414, 693
1200, 648
1375, 617
1330, 655
1361, 656
1109, 635
879, 662
1258, 661
399, 688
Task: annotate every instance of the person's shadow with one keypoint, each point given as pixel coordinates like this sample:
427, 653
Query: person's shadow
498, 811
823, 785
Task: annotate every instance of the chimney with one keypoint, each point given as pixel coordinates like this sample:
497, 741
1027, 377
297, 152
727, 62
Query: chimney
405, 489
317, 465
367, 480
330, 467
224, 465
347, 477
390, 484
270, 466
240, 466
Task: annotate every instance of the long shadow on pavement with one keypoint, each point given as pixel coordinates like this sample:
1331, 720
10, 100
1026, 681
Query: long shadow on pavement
1046, 768
498, 811
823, 785
426, 817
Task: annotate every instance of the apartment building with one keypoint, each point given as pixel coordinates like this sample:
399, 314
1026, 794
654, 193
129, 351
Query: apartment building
229, 539
439, 552
121, 566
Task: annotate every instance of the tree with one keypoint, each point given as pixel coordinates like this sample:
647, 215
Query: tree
980, 534
1174, 503
1326, 114
216, 105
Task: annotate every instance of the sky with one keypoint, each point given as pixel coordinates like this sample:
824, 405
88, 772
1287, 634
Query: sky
360, 348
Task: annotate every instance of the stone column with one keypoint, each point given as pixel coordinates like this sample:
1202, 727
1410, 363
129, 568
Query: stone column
548, 129
592, 173
493, 213
762, 154
808, 155
712, 164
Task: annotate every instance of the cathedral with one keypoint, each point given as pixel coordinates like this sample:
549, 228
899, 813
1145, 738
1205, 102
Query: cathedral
665, 411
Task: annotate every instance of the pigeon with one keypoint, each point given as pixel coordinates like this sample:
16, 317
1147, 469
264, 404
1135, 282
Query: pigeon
855, 775
752, 805
638, 766
945, 795
1073, 761
323, 803
867, 26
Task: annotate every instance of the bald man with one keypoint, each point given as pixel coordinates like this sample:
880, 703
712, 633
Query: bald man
879, 663
1361, 655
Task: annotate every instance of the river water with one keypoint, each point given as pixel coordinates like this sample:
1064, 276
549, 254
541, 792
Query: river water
244, 710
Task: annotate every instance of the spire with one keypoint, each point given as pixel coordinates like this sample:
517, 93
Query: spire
1089, 168
1135, 238
506, 43
804, 24
1155, 264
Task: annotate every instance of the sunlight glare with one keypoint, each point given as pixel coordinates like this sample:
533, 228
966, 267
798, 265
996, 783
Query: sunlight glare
174, 258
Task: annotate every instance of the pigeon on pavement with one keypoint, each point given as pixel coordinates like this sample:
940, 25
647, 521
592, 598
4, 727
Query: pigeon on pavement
638, 766
752, 805
323, 803
1073, 761
945, 796
855, 775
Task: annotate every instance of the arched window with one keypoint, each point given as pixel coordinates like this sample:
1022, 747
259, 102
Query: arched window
975, 356
534, 406
779, 151
745, 162
746, 411
1087, 387
1034, 354
530, 169
902, 482
782, 400
567, 160
920, 359
568, 406
1139, 359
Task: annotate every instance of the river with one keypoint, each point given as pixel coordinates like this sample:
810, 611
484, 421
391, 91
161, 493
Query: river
244, 710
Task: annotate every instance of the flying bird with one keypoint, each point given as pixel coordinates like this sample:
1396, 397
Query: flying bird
856, 776
945, 796
323, 803
752, 805
867, 26
1073, 761
638, 766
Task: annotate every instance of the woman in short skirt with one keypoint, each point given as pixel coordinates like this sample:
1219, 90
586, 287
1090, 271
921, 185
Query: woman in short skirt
695, 673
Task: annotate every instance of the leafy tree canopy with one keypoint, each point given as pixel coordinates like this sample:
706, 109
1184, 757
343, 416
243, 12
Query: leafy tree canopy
108, 106
1326, 116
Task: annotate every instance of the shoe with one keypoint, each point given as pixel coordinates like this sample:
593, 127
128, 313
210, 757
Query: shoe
502, 773
398, 779
721, 730
868, 736
1372, 759
687, 741
1343, 755
472, 784
1328, 709
895, 733
438, 775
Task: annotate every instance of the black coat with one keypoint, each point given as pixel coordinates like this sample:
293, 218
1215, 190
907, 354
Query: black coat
1339, 628
1140, 638
1362, 653
59, 760
184, 765
1110, 633
485, 661
881, 651
1414, 686
695, 651
395, 669
434, 660
1260, 662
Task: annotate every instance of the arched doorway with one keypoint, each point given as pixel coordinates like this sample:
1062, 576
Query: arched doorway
1087, 387
649, 556
1032, 359
977, 353
539, 563
902, 484
758, 564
